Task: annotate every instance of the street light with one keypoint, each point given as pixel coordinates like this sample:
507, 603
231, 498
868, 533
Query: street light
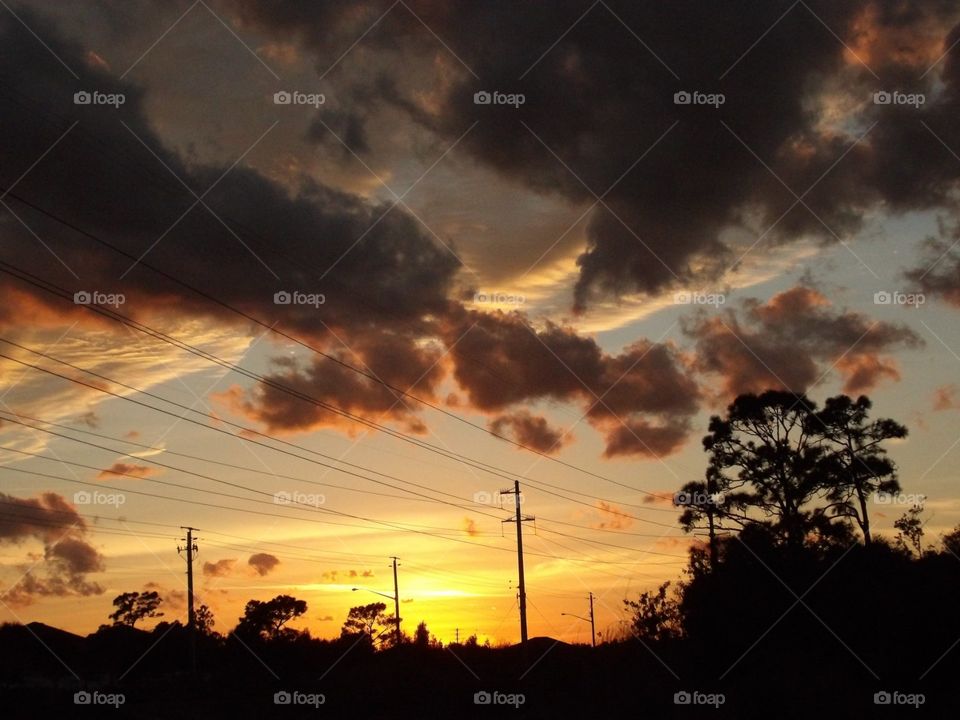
593, 634
375, 592
396, 600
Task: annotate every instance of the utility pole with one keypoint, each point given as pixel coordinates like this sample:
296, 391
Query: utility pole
593, 631
458, 636
396, 597
191, 552
519, 520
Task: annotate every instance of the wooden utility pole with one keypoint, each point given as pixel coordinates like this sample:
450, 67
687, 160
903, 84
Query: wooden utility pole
396, 598
191, 551
593, 631
519, 520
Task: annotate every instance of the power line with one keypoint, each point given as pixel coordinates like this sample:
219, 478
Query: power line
301, 519
305, 504
536, 484
183, 470
272, 328
272, 474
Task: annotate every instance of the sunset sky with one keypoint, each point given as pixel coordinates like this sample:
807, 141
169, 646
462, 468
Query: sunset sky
589, 270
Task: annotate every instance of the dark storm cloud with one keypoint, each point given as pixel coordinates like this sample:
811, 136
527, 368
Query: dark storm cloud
100, 177
530, 430
381, 279
640, 400
220, 568
384, 296
793, 340
125, 470
392, 358
938, 275
603, 93
263, 563
67, 556
598, 99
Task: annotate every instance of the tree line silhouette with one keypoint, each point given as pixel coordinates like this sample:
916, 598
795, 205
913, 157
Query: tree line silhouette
790, 603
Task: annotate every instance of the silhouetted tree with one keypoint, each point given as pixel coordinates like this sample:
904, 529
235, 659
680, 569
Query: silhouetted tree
857, 461
776, 460
910, 537
421, 638
266, 619
134, 606
656, 616
714, 504
372, 622
951, 541
764, 455
204, 620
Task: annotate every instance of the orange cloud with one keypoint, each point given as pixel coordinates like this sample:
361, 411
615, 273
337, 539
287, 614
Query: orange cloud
530, 430
126, 470
615, 517
946, 398
659, 497
789, 342
263, 563
220, 568
864, 372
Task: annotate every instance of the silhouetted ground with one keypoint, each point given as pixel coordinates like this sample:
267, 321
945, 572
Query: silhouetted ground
874, 621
